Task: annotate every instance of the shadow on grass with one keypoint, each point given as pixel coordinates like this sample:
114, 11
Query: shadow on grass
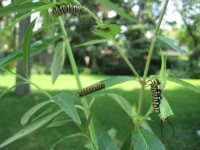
185, 104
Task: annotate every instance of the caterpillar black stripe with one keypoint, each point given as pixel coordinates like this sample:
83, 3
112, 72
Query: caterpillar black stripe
102, 29
59, 10
156, 93
90, 89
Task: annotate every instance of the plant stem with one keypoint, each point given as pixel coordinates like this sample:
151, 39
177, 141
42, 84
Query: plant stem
149, 58
75, 72
97, 19
126, 60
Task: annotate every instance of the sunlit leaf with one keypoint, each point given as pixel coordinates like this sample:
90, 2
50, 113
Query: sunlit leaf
106, 30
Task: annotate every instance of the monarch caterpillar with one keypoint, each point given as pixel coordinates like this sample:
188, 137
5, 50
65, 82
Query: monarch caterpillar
102, 29
59, 10
156, 93
90, 89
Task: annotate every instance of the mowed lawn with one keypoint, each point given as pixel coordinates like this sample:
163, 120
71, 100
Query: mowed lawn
184, 102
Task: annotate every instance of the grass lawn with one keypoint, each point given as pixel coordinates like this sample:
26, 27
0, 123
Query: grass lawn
184, 102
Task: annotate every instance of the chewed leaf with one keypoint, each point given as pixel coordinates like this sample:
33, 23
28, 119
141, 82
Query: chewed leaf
107, 31
165, 109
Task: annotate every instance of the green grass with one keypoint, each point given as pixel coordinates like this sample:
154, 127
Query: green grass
184, 102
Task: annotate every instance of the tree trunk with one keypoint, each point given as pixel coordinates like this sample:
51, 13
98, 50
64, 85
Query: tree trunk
23, 90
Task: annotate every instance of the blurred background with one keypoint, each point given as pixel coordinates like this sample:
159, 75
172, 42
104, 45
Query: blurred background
97, 62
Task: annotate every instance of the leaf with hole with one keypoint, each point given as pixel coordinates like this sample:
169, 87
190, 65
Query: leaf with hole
106, 30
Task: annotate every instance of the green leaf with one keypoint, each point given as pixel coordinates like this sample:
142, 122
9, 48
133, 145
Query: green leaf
127, 145
104, 141
65, 138
17, 8
66, 103
171, 43
58, 61
112, 6
26, 50
125, 105
184, 83
116, 80
58, 123
165, 109
112, 133
30, 128
163, 70
145, 140
106, 30
92, 42
26, 117
35, 48
44, 7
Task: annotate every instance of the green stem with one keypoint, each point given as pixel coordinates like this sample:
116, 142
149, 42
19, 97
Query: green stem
75, 72
149, 58
98, 20
126, 60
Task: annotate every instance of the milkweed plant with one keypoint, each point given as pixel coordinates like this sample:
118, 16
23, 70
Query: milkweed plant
141, 136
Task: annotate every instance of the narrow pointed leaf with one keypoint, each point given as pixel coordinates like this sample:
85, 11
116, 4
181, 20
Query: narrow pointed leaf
171, 43
184, 83
65, 138
92, 42
145, 140
116, 80
15, 7
26, 117
35, 49
27, 45
104, 141
58, 123
66, 103
113, 6
30, 128
58, 61
125, 105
